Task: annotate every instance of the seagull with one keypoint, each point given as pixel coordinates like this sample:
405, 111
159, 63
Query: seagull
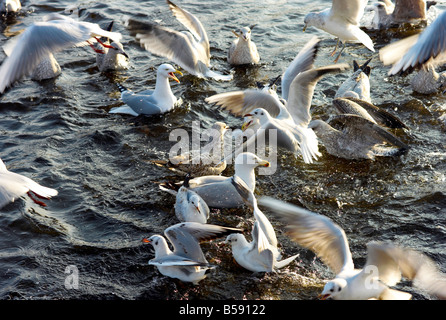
241, 102
189, 206
262, 254
149, 102
289, 118
385, 266
14, 185
358, 84
290, 122
205, 163
238, 102
427, 80
351, 136
218, 191
243, 50
42, 39
186, 262
113, 56
368, 111
382, 17
417, 51
388, 14
190, 50
342, 21
8, 6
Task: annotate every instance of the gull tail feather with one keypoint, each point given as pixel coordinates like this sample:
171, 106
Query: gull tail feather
364, 38
285, 262
124, 110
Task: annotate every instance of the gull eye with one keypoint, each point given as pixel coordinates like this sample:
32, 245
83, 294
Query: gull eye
331, 290
262, 113
339, 289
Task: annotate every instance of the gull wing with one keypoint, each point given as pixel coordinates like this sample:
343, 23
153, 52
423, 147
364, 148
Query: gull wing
186, 237
417, 50
41, 39
261, 220
262, 246
302, 62
192, 24
302, 90
171, 44
380, 115
421, 269
315, 232
240, 103
349, 10
380, 255
363, 132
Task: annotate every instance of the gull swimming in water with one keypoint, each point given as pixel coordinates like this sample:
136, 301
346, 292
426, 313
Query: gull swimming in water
148, 102
358, 84
368, 111
8, 6
385, 266
427, 80
243, 50
204, 163
186, 262
42, 39
262, 254
112, 56
218, 191
342, 21
190, 50
189, 206
417, 51
351, 136
14, 185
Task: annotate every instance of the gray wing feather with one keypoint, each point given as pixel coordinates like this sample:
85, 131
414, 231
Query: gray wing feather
315, 232
380, 115
364, 132
141, 104
185, 238
171, 44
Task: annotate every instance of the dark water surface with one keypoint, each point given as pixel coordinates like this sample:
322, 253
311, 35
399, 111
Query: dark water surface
59, 133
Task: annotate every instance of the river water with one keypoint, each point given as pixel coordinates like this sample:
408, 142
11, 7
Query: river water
59, 132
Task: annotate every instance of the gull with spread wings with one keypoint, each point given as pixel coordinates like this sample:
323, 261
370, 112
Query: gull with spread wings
385, 266
189, 49
290, 116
